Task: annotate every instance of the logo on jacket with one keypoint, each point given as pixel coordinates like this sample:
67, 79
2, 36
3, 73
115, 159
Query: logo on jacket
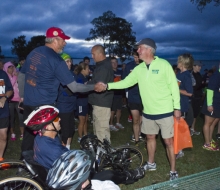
155, 71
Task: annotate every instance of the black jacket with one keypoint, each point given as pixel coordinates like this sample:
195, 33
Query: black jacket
102, 73
198, 88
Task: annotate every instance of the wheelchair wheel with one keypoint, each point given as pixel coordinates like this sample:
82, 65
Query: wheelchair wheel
19, 183
13, 168
130, 157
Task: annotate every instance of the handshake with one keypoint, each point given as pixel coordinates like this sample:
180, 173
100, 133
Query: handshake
100, 87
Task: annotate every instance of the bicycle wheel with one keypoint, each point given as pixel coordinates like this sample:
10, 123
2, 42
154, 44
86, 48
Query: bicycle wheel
13, 167
19, 183
130, 157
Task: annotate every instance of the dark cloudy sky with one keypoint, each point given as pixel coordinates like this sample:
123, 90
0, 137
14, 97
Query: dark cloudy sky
176, 25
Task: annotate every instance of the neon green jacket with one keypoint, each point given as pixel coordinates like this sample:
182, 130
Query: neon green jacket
158, 86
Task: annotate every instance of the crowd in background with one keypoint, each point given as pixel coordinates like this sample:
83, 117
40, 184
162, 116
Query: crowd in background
99, 92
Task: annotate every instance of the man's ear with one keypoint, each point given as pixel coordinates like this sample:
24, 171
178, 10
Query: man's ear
48, 126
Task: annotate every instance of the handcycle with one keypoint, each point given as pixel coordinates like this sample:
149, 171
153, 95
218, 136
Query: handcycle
28, 174
121, 158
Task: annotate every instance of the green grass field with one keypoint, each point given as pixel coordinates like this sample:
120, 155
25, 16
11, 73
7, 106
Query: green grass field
195, 160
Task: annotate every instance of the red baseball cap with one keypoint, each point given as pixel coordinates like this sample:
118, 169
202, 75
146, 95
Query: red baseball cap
56, 32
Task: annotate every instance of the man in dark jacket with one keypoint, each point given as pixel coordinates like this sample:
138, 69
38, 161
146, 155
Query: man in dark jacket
101, 102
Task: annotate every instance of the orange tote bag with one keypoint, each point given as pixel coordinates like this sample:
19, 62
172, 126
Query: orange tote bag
182, 138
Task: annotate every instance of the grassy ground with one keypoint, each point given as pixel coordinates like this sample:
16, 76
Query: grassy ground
195, 159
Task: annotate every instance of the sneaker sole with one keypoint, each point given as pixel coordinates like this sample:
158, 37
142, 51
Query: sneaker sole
205, 148
151, 170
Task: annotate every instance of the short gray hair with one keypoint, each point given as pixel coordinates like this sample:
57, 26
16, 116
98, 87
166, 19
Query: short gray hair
152, 49
49, 40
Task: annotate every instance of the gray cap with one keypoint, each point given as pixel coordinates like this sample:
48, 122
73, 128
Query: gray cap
197, 63
148, 42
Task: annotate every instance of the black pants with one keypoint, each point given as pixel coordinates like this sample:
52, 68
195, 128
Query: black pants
116, 176
28, 138
67, 124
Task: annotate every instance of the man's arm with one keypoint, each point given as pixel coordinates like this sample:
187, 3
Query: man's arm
173, 86
77, 87
8, 91
175, 93
4, 98
129, 81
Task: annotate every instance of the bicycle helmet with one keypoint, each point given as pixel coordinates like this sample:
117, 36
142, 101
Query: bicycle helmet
41, 116
71, 170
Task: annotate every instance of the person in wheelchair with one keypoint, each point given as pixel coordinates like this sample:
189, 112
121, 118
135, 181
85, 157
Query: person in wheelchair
48, 148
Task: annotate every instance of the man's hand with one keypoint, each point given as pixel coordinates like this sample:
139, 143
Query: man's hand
2, 102
210, 108
100, 86
177, 114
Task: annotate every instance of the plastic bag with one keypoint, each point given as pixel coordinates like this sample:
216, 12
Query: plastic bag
182, 138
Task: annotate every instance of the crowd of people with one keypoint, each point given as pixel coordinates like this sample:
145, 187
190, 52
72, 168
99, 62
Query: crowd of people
47, 92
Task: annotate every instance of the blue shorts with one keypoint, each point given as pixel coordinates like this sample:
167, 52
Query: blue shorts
4, 122
82, 110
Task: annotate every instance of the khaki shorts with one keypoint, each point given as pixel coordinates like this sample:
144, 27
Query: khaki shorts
152, 127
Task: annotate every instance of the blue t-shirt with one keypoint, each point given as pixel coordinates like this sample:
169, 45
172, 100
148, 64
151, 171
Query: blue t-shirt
5, 85
133, 92
214, 84
82, 98
66, 100
44, 70
185, 83
47, 150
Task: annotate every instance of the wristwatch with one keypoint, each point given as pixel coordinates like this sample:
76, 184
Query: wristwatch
6, 97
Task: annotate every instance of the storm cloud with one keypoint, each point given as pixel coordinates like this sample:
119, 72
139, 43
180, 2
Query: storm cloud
176, 26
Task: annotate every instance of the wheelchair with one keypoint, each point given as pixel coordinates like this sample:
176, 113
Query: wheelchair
25, 175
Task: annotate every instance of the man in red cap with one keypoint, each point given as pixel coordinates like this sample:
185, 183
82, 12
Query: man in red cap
41, 76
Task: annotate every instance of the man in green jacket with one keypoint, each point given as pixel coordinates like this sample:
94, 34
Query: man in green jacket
160, 96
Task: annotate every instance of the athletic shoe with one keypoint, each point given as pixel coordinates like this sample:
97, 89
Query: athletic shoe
214, 144
173, 175
130, 119
120, 126
209, 147
79, 139
140, 138
137, 143
218, 136
13, 137
113, 128
150, 167
193, 132
21, 137
180, 154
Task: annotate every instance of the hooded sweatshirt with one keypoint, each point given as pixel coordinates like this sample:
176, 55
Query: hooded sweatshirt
14, 81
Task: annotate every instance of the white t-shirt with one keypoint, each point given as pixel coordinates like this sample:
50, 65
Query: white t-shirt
103, 185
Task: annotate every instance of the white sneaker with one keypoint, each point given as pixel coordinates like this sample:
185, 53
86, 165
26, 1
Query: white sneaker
120, 126
79, 139
180, 154
113, 128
